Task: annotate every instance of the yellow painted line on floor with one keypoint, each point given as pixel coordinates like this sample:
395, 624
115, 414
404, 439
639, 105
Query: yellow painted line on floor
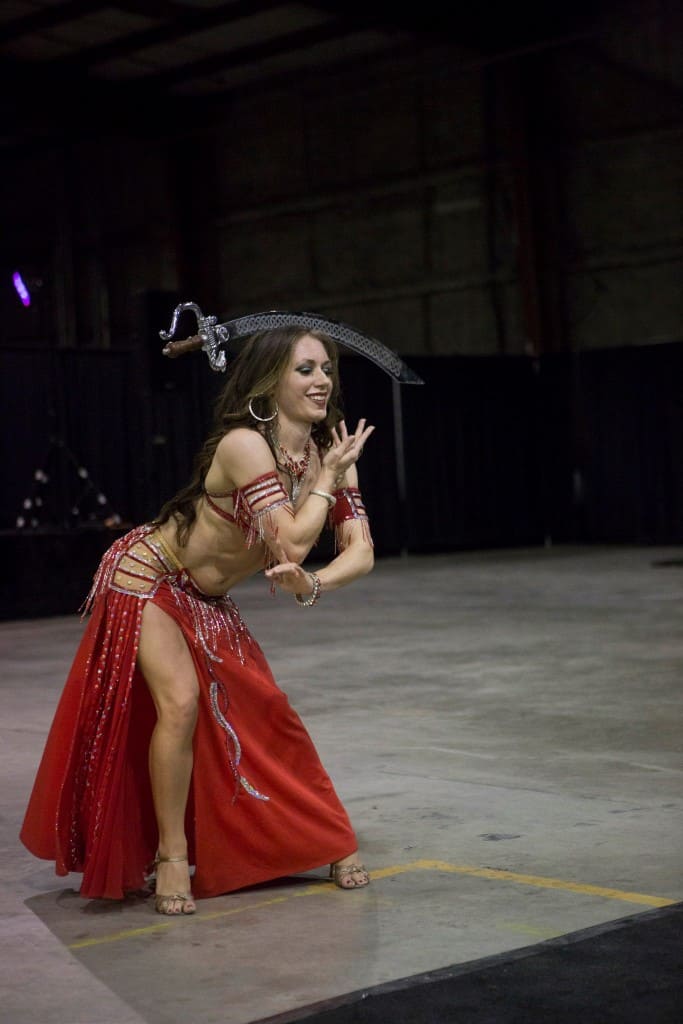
151, 929
542, 882
322, 888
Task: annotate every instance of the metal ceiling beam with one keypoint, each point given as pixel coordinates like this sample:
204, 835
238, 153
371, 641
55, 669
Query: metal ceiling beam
151, 8
484, 27
62, 13
49, 17
292, 41
194, 20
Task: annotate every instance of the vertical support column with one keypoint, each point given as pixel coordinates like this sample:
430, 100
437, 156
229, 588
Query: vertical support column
535, 143
494, 187
526, 254
401, 479
533, 134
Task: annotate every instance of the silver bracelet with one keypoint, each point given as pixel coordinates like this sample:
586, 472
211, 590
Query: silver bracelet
307, 602
329, 498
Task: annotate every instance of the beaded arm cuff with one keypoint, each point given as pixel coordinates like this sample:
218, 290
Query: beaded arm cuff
255, 504
349, 506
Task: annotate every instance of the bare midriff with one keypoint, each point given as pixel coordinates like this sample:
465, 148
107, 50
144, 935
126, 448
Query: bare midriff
216, 553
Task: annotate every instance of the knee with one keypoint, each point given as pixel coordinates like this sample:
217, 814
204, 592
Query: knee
177, 713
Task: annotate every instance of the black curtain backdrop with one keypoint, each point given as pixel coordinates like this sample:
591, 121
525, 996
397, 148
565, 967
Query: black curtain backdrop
61, 412
499, 452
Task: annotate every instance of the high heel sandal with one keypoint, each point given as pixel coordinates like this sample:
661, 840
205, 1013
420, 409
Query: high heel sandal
163, 901
338, 872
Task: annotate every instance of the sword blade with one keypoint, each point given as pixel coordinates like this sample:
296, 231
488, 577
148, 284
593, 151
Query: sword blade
345, 334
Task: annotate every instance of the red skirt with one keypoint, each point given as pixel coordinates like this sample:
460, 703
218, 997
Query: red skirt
261, 805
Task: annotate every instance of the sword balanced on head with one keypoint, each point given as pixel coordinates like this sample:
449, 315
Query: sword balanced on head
213, 338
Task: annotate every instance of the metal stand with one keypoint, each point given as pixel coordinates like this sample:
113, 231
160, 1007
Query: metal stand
401, 482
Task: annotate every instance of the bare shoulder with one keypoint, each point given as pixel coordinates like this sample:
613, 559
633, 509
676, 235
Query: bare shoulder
243, 454
242, 439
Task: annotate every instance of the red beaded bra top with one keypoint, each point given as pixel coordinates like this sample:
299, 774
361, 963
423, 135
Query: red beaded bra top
251, 504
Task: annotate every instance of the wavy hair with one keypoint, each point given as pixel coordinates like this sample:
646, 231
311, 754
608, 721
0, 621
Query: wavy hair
254, 375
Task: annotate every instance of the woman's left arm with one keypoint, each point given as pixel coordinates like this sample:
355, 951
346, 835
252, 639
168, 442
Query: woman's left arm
356, 557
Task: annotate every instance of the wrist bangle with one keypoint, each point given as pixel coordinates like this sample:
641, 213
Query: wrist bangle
307, 602
329, 498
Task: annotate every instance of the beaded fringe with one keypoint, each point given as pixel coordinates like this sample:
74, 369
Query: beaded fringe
349, 507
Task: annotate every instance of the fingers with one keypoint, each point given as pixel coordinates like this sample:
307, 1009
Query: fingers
347, 448
365, 435
287, 571
343, 440
352, 438
362, 433
289, 577
358, 439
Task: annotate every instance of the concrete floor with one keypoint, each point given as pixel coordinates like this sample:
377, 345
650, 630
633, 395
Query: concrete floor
505, 730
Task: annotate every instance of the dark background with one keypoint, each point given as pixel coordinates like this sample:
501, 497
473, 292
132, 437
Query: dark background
493, 192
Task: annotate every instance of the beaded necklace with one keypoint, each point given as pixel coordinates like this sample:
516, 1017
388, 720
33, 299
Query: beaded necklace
296, 469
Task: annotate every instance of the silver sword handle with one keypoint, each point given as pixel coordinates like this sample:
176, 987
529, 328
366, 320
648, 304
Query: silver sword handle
211, 336
180, 308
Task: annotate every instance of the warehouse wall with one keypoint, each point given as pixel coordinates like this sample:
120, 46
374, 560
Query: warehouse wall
504, 223
449, 204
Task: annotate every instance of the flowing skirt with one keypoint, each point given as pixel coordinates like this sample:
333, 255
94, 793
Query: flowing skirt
261, 805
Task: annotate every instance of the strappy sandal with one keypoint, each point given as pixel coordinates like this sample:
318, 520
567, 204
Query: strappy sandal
338, 872
163, 901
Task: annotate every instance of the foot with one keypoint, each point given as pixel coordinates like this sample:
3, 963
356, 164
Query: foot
173, 893
349, 873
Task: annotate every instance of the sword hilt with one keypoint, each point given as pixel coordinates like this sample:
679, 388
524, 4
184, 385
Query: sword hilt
173, 349
209, 337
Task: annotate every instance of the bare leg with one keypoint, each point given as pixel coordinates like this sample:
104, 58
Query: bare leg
166, 663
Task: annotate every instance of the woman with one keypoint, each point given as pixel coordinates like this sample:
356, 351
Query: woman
171, 734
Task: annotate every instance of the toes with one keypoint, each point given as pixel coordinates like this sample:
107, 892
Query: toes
349, 875
356, 880
171, 906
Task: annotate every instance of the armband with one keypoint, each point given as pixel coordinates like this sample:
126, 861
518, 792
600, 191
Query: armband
268, 493
349, 506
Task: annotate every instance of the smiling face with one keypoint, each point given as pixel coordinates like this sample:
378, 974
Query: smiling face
304, 389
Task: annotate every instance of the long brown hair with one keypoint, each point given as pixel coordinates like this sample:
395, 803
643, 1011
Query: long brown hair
254, 376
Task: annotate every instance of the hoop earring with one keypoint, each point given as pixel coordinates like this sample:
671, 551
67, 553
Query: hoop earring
262, 419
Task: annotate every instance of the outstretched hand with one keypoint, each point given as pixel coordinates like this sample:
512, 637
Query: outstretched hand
346, 448
291, 577
288, 575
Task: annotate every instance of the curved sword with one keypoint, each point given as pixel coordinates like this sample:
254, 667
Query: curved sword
213, 337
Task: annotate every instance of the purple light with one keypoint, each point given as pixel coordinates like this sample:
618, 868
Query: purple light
22, 290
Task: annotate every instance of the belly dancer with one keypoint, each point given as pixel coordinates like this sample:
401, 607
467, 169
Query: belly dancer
172, 747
